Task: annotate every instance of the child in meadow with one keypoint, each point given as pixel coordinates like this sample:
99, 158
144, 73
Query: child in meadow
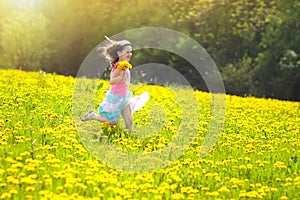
118, 100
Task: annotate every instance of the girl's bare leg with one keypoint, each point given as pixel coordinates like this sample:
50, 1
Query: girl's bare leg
127, 116
93, 116
101, 118
135, 103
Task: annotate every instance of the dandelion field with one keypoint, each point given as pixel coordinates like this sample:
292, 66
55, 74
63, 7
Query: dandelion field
44, 153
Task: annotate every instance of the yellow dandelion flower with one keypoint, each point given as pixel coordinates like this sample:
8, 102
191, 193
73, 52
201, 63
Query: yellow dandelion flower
205, 188
30, 189
158, 197
215, 193
173, 187
177, 196
280, 165
13, 190
48, 182
242, 167
123, 65
297, 179
19, 158
273, 189
258, 184
96, 189
288, 179
287, 184
2, 185
284, 198
12, 180
5, 195
10, 160
297, 183
223, 189
59, 188
249, 166
12, 169
68, 185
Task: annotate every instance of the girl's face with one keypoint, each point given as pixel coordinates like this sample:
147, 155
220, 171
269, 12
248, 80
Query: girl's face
125, 54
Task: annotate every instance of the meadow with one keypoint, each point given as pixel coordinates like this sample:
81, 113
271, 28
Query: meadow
47, 153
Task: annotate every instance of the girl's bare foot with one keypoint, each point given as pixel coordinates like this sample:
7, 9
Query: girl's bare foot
91, 115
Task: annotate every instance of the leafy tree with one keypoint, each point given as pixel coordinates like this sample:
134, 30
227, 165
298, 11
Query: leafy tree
279, 73
74, 28
228, 29
240, 77
24, 40
263, 32
80, 26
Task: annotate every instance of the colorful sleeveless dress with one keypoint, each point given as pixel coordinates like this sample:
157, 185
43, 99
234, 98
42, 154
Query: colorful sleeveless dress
116, 98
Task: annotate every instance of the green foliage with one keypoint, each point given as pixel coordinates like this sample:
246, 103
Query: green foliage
282, 36
236, 34
239, 77
228, 29
24, 40
76, 29
136, 14
290, 60
260, 30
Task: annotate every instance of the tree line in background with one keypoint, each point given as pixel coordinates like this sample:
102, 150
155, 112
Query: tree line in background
254, 43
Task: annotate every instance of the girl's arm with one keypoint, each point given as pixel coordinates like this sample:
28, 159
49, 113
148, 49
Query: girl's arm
116, 76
